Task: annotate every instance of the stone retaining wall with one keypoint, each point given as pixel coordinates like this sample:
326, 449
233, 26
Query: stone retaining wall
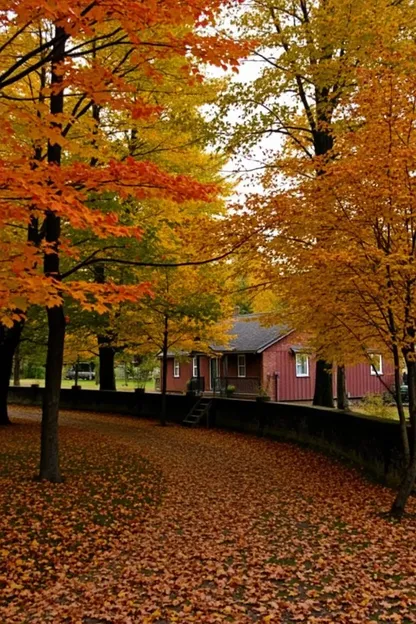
370, 443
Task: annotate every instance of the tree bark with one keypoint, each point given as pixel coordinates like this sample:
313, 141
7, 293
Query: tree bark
9, 340
106, 352
106, 368
409, 478
400, 409
163, 387
323, 143
16, 366
324, 395
342, 396
49, 457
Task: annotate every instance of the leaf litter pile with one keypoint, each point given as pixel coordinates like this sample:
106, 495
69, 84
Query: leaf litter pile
162, 525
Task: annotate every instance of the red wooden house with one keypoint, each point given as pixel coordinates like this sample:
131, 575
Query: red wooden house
272, 358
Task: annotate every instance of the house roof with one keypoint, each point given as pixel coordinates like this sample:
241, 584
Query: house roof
251, 336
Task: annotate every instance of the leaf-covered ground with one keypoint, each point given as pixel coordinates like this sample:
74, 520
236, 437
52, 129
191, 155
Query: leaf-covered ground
170, 525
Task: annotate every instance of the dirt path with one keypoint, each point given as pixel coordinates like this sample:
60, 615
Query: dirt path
247, 531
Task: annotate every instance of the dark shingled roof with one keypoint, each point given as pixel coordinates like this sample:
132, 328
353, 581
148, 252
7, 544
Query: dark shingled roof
250, 336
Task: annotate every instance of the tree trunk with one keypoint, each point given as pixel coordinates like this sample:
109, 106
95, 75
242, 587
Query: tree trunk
409, 478
400, 409
105, 351
9, 340
164, 372
323, 143
16, 366
106, 368
342, 396
324, 395
49, 455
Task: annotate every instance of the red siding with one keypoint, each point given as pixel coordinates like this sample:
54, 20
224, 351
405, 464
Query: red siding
276, 369
360, 381
279, 373
178, 384
253, 365
281, 383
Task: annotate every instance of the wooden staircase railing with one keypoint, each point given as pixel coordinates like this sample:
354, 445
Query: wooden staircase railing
198, 412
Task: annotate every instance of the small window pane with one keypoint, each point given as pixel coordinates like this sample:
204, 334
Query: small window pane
176, 368
194, 366
302, 365
241, 365
376, 364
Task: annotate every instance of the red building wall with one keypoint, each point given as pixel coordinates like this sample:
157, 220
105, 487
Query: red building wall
253, 365
178, 384
276, 369
281, 383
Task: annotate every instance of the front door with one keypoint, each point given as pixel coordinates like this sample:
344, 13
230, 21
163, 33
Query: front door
213, 372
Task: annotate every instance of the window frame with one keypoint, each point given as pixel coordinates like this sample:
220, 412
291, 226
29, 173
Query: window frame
306, 360
195, 367
375, 372
176, 368
241, 366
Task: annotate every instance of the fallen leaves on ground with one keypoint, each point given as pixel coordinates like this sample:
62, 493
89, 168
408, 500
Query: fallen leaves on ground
196, 526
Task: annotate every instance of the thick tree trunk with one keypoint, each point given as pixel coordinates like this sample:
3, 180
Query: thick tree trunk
16, 366
323, 143
9, 340
49, 458
106, 368
342, 396
106, 352
324, 395
164, 372
409, 478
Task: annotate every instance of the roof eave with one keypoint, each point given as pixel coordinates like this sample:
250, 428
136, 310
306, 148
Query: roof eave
274, 341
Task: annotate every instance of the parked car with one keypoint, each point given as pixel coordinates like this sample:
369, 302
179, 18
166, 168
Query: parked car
404, 391
388, 397
85, 371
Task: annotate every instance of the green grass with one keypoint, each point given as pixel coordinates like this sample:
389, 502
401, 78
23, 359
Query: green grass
387, 411
91, 385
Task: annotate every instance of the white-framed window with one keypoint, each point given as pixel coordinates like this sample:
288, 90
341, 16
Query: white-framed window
176, 368
376, 366
302, 365
195, 366
241, 365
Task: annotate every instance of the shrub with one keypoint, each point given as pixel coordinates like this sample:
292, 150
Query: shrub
374, 405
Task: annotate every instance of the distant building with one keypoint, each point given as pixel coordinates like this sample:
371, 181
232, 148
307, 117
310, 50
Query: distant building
272, 358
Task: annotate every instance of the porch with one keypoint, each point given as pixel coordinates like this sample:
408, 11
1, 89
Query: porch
246, 387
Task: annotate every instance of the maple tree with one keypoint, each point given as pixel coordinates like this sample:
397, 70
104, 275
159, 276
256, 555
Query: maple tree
171, 231
303, 66
349, 235
186, 313
47, 175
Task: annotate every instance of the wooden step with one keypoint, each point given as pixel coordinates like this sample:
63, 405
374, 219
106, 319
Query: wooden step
197, 413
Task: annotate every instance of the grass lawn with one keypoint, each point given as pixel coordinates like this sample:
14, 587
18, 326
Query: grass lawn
171, 525
384, 411
91, 385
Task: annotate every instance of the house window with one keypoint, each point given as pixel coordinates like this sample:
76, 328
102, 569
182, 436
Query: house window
376, 367
241, 365
195, 366
225, 366
302, 365
176, 368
